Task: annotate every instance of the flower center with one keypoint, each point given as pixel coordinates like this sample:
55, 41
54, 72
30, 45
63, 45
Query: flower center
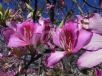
28, 32
67, 40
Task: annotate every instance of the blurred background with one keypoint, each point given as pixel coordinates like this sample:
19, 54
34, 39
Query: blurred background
88, 6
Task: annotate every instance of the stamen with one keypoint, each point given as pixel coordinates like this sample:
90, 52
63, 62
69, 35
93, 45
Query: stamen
66, 40
69, 50
27, 33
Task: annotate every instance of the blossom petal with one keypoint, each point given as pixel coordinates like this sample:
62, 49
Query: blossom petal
90, 59
7, 32
95, 43
69, 34
55, 36
83, 38
26, 26
44, 21
95, 23
54, 58
78, 20
71, 27
36, 39
38, 28
12, 24
15, 41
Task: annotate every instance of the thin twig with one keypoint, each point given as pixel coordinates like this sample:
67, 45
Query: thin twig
79, 7
35, 10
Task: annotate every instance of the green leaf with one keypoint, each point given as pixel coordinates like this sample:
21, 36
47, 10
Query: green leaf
29, 7
1, 15
30, 14
1, 7
61, 24
6, 13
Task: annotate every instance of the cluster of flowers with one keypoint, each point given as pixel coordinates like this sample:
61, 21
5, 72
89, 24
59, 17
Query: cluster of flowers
74, 35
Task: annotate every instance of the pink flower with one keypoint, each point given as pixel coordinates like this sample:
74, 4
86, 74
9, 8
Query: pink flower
46, 25
26, 33
93, 57
70, 39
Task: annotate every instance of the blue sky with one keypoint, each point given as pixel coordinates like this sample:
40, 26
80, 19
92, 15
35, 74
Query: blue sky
69, 4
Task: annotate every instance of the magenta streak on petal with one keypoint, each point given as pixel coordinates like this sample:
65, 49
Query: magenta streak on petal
27, 30
68, 36
67, 40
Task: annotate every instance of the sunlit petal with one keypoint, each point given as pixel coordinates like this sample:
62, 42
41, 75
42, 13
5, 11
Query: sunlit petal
90, 59
14, 41
95, 43
54, 58
83, 39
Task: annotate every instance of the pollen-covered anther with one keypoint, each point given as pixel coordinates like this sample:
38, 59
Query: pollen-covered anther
69, 51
